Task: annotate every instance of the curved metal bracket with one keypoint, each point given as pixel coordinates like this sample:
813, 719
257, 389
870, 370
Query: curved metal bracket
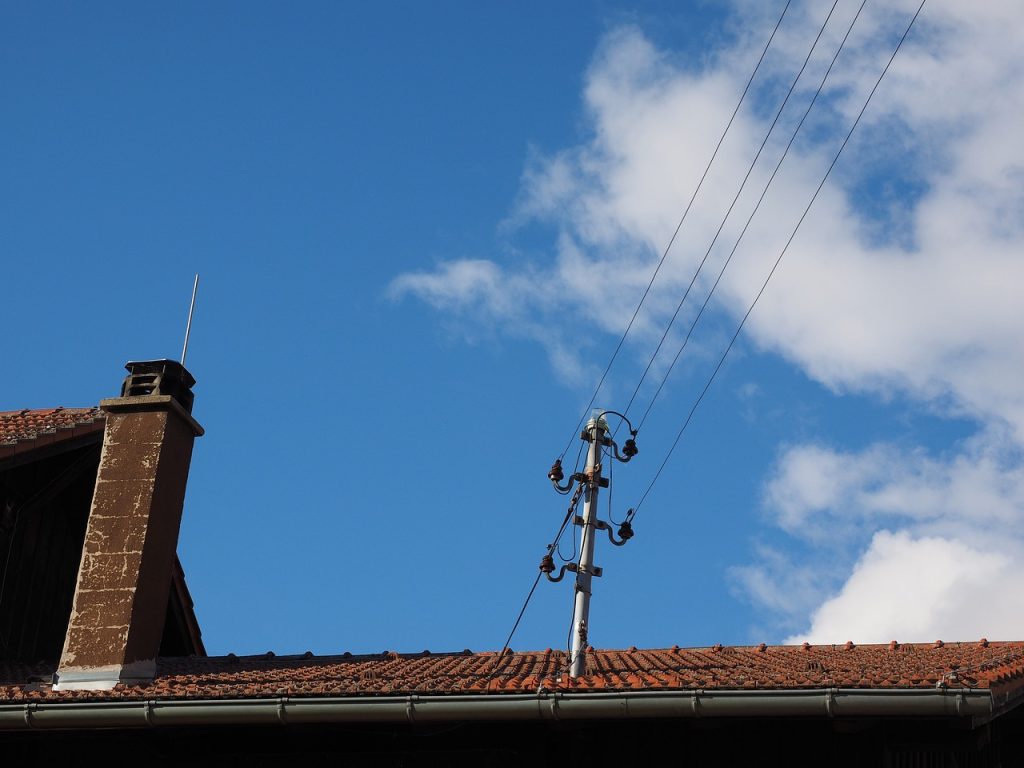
625, 531
555, 475
629, 449
623, 458
563, 489
561, 573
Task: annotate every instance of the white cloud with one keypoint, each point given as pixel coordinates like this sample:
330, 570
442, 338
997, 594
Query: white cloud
913, 290
906, 588
816, 491
940, 539
935, 318
454, 284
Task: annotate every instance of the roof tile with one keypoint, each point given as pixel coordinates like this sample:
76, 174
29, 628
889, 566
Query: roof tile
996, 666
27, 429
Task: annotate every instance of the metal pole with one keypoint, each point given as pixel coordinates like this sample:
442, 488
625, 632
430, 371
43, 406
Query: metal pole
188, 326
586, 569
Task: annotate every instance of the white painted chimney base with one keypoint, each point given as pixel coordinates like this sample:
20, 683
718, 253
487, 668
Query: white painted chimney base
105, 678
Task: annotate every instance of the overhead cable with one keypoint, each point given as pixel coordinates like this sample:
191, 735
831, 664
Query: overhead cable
552, 547
782, 253
736, 197
672, 240
750, 218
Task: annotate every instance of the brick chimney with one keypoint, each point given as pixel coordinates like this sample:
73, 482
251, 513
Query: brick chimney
124, 579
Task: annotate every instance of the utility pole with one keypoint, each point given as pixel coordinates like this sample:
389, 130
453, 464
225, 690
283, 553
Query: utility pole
586, 570
589, 483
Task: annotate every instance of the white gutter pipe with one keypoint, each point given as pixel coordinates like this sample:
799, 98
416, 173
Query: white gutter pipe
975, 704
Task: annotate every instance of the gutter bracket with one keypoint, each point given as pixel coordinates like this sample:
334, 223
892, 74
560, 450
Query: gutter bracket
30, 707
410, 708
282, 710
554, 707
695, 703
147, 712
830, 700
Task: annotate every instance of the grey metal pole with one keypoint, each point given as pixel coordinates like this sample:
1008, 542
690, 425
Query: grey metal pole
586, 569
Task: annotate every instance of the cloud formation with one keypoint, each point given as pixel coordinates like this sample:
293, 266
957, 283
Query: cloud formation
904, 279
939, 540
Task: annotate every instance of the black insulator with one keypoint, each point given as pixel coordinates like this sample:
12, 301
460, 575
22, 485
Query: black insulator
626, 531
629, 449
555, 474
547, 564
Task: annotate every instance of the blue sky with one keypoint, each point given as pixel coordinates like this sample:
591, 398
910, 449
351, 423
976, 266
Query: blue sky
421, 229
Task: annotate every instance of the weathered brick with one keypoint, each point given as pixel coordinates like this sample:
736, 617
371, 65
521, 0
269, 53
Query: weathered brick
115, 534
135, 427
135, 461
110, 571
102, 608
91, 647
122, 498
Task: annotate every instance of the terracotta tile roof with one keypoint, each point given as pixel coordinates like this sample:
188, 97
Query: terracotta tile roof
978, 665
26, 430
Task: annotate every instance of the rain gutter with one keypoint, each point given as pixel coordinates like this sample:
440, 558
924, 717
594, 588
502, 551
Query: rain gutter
960, 703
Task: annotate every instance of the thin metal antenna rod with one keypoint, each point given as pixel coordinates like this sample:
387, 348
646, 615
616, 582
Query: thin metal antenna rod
188, 326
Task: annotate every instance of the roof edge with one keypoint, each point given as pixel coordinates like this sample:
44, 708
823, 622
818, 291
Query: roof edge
85, 427
973, 704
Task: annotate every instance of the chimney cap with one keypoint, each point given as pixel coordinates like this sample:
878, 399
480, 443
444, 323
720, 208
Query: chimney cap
172, 367
159, 377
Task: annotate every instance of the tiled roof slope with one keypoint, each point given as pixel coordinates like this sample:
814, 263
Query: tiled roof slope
27, 429
978, 665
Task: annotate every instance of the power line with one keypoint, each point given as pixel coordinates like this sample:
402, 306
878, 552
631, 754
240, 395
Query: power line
750, 218
736, 197
679, 226
552, 547
781, 254
558, 548
611, 484
519, 618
